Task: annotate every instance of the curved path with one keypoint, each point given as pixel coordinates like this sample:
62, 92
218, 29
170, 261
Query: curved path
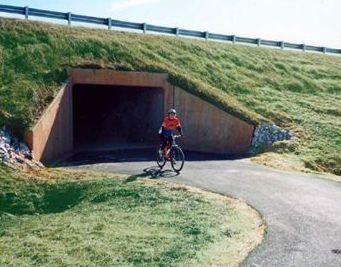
302, 212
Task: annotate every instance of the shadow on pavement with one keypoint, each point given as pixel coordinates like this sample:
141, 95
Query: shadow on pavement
156, 172
153, 172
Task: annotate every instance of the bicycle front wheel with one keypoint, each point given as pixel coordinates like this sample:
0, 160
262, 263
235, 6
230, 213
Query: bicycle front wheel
177, 159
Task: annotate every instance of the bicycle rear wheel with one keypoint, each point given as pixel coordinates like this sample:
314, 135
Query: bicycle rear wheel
160, 159
177, 159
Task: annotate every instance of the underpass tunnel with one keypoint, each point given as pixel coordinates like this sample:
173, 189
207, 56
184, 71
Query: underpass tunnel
107, 117
102, 109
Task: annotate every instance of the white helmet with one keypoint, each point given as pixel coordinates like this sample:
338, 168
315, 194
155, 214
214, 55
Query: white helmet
172, 110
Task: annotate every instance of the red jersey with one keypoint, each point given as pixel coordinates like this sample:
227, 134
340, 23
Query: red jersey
171, 124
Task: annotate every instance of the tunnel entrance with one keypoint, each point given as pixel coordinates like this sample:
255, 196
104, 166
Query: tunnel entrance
107, 117
104, 109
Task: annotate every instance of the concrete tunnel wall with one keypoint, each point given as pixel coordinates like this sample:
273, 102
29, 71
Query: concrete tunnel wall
206, 127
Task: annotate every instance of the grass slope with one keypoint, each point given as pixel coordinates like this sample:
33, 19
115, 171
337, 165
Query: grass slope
106, 220
296, 90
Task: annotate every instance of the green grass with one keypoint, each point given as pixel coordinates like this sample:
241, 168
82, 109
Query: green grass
105, 220
300, 91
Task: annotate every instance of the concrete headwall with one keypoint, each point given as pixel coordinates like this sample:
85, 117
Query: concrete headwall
110, 77
207, 128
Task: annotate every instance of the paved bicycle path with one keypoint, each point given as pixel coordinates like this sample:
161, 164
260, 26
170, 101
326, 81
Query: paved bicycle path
302, 212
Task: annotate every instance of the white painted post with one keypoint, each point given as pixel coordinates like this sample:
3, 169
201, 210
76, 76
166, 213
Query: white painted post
26, 12
206, 35
144, 27
259, 41
324, 50
69, 15
177, 31
233, 39
109, 23
282, 45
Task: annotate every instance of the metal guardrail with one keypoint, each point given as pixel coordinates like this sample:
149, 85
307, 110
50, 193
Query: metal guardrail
70, 17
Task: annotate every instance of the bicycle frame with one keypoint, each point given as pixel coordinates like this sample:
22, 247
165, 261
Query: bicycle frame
173, 144
174, 137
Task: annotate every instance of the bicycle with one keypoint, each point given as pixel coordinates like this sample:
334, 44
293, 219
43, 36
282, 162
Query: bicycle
173, 153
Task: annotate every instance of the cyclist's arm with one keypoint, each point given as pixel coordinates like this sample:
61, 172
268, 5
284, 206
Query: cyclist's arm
162, 127
160, 130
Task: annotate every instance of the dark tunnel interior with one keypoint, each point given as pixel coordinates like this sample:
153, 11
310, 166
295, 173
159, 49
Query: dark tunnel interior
116, 117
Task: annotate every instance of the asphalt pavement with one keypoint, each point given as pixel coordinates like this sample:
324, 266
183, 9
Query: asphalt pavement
302, 211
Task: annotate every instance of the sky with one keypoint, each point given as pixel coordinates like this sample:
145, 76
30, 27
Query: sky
313, 22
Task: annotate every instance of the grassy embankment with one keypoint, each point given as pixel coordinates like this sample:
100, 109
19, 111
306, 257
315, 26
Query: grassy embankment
48, 219
296, 90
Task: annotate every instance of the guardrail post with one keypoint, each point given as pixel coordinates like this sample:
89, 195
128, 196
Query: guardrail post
177, 31
259, 41
109, 23
234, 39
206, 35
69, 18
144, 27
282, 45
324, 50
303, 47
26, 12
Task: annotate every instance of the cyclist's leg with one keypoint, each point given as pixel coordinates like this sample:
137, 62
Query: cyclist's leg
160, 157
168, 146
164, 144
163, 141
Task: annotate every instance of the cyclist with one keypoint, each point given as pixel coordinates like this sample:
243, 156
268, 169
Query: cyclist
170, 123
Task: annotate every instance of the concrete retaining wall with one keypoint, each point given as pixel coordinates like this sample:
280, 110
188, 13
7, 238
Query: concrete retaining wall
207, 128
52, 136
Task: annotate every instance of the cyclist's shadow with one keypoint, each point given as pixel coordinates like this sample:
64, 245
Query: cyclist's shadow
156, 172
